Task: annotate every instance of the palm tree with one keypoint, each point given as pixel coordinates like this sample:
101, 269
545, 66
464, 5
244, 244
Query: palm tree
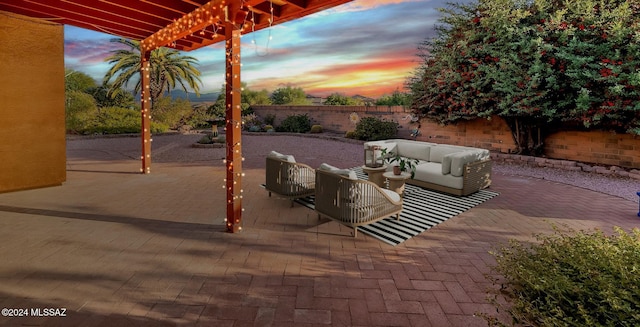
168, 68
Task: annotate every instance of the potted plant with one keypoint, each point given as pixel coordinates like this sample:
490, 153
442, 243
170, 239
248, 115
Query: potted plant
401, 163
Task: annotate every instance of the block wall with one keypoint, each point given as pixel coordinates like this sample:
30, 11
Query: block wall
604, 148
595, 147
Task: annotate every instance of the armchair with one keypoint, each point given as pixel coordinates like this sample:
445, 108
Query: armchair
342, 197
287, 178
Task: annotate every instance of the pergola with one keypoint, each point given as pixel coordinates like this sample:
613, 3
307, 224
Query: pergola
183, 25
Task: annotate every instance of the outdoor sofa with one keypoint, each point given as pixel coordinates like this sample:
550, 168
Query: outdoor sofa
452, 169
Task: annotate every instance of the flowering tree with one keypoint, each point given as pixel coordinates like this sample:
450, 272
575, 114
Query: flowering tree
539, 64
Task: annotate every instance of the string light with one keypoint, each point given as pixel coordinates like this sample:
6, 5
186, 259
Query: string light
253, 29
186, 25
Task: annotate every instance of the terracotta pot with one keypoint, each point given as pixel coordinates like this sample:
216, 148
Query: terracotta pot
396, 170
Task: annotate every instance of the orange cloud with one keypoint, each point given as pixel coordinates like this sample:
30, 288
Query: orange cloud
374, 78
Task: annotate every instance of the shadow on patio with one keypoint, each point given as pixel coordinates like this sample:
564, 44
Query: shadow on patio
151, 249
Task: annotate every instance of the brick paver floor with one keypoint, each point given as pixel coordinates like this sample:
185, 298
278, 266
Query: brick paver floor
116, 248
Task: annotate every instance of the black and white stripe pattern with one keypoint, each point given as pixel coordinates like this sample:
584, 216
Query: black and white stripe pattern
421, 210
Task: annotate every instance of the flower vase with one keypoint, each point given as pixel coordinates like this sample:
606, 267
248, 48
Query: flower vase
396, 170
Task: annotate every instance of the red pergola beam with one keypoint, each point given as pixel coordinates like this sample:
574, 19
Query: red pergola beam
211, 13
118, 25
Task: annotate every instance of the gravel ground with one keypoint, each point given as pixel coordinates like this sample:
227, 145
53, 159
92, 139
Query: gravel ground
625, 188
177, 148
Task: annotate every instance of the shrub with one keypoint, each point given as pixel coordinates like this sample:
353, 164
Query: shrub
80, 110
171, 112
372, 129
316, 129
198, 117
573, 279
350, 134
270, 119
205, 139
157, 127
268, 127
295, 124
114, 120
210, 138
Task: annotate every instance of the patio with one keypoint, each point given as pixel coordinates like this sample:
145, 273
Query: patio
115, 247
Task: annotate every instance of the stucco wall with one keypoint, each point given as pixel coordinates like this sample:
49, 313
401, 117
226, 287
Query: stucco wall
595, 147
32, 133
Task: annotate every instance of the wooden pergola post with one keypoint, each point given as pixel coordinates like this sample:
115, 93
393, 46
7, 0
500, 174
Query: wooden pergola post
146, 111
233, 120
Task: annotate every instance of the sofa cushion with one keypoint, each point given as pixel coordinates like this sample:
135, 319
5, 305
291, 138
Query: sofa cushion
458, 160
342, 172
438, 152
393, 195
432, 172
446, 163
415, 150
278, 155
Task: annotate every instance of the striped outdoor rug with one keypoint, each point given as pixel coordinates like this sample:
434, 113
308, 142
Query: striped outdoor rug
421, 210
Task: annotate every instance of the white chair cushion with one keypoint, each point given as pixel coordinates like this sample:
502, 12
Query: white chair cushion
327, 167
393, 195
278, 155
342, 172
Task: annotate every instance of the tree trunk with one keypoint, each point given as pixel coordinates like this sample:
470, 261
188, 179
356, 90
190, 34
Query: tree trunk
528, 136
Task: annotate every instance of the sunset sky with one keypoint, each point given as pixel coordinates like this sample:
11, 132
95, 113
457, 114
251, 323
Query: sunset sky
366, 47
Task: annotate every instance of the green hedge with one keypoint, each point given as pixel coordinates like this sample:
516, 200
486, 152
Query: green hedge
573, 279
372, 129
295, 124
115, 120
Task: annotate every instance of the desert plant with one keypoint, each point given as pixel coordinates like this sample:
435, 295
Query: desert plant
350, 135
295, 124
169, 68
251, 122
211, 138
316, 129
372, 129
572, 279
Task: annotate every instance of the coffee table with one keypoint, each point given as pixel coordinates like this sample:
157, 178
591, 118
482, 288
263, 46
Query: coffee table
375, 174
396, 182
